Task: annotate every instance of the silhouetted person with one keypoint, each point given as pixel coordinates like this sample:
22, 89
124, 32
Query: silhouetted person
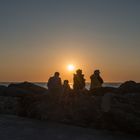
96, 80
66, 86
54, 83
79, 81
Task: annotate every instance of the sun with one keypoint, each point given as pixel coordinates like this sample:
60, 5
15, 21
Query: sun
70, 67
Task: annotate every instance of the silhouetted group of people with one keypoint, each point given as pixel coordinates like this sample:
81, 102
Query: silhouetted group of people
79, 82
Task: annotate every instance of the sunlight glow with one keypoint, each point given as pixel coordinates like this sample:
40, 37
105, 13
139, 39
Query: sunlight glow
70, 67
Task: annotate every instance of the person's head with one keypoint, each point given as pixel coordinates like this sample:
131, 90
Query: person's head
79, 71
97, 72
56, 74
66, 82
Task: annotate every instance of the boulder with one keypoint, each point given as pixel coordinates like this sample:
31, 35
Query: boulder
125, 110
129, 87
8, 105
29, 87
16, 92
33, 106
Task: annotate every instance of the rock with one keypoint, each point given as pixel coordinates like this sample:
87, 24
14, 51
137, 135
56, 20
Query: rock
127, 84
113, 111
103, 90
33, 106
16, 92
125, 110
8, 105
29, 87
103, 108
129, 87
2, 90
106, 102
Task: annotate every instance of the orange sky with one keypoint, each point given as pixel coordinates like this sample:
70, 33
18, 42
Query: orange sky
38, 64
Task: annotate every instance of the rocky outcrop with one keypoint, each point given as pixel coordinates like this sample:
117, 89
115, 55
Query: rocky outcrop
9, 105
2, 89
11, 96
125, 112
30, 87
16, 92
104, 108
111, 111
129, 87
33, 106
103, 90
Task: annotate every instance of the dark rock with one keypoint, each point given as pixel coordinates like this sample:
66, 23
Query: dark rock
29, 87
129, 87
103, 90
2, 90
33, 106
8, 105
13, 91
125, 109
103, 108
16, 92
128, 84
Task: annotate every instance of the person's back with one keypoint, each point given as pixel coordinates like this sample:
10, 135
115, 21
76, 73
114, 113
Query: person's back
96, 80
79, 81
54, 83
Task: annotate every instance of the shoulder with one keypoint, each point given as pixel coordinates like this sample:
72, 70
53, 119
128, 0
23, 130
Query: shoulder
51, 78
59, 78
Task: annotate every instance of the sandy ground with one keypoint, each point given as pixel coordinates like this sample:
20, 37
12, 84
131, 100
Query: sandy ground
16, 128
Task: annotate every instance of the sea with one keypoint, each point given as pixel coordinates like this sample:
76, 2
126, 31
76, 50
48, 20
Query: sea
44, 84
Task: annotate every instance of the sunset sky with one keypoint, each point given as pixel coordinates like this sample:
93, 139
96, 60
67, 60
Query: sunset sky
39, 37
